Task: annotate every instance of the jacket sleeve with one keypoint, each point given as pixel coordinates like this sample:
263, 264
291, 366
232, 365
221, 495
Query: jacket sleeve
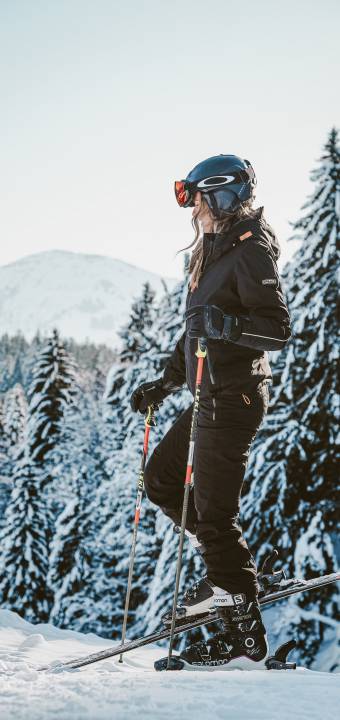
174, 375
266, 325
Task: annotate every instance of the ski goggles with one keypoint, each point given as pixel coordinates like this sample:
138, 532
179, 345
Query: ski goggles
184, 192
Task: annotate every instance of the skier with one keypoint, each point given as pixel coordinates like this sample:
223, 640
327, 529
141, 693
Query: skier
235, 301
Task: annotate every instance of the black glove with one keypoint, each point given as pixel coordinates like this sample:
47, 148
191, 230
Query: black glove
150, 393
209, 321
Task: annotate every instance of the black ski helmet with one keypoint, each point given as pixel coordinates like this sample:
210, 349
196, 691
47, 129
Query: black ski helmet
225, 180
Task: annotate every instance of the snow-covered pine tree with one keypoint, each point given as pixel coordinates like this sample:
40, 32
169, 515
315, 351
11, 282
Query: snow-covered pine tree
15, 415
137, 338
13, 424
171, 325
17, 378
70, 558
112, 510
24, 545
290, 499
135, 334
51, 390
5, 487
98, 605
28, 521
3, 444
81, 472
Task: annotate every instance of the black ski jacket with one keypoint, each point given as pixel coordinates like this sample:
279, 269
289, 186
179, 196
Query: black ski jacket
240, 276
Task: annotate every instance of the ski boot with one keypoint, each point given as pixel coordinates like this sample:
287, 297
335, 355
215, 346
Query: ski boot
278, 661
241, 645
197, 600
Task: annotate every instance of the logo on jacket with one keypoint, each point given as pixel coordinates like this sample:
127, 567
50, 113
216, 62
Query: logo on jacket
269, 281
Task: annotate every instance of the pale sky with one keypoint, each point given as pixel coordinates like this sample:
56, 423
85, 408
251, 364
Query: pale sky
105, 103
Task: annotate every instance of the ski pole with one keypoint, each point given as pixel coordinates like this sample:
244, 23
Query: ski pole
149, 422
201, 353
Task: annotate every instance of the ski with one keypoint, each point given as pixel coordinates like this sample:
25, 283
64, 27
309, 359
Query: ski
290, 587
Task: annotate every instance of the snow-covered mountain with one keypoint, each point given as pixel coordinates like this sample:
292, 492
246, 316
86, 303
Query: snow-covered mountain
84, 296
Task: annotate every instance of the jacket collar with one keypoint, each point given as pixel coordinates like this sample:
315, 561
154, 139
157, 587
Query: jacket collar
217, 244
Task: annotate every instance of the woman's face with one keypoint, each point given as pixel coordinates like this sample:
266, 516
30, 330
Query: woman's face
198, 203
202, 212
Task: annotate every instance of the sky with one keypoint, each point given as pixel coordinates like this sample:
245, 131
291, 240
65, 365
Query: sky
106, 103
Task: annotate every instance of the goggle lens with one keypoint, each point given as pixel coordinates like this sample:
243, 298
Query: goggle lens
182, 192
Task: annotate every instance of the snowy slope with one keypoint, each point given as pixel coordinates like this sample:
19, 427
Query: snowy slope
110, 690
84, 296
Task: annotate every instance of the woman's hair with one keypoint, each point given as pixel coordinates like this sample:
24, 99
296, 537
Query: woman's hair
246, 209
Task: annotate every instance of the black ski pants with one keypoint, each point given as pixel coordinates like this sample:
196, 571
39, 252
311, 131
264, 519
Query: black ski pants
225, 431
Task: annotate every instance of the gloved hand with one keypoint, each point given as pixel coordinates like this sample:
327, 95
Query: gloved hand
209, 321
149, 393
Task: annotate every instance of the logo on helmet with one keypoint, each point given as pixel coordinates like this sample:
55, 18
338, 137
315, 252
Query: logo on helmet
213, 181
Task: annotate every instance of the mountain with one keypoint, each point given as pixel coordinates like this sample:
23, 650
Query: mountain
84, 296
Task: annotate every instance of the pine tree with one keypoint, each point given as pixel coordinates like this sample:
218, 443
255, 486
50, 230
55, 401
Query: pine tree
51, 390
137, 337
24, 545
14, 418
109, 582
28, 521
17, 373
292, 478
69, 558
135, 334
97, 605
5, 487
73, 559
12, 427
114, 541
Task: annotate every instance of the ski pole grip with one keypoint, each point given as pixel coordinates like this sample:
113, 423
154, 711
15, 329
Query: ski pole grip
201, 347
150, 420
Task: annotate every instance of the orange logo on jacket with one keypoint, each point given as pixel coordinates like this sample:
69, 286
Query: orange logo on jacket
246, 235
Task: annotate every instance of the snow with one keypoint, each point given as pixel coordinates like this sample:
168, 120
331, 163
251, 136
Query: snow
83, 296
121, 691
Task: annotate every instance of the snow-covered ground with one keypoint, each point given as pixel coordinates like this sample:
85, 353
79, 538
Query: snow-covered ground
113, 691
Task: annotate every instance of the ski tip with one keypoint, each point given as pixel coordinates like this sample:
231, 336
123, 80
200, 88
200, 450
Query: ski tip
175, 664
56, 670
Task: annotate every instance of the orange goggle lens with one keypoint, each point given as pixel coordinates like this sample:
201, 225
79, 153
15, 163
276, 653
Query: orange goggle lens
183, 195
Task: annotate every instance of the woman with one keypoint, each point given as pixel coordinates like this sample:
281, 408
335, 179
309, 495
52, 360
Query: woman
234, 300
